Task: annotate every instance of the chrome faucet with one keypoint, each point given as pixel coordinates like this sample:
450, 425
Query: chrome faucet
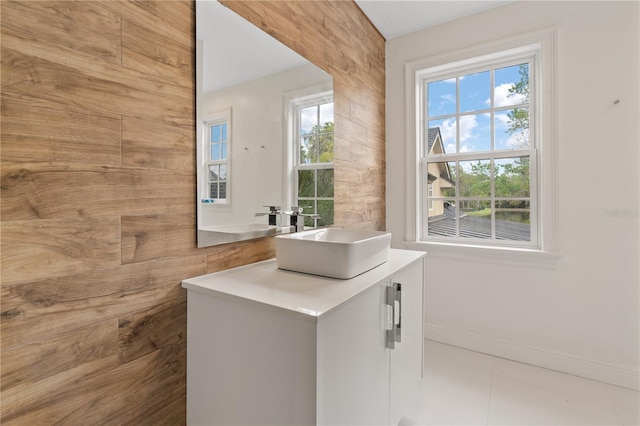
274, 211
297, 218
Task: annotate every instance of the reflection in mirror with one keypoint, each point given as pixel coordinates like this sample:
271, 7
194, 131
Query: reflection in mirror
265, 132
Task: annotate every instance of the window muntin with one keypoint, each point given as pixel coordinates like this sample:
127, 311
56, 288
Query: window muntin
217, 162
313, 168
483, 120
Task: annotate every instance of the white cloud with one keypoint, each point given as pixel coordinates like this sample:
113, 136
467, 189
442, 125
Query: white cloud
448, 130
467, 124
502, 98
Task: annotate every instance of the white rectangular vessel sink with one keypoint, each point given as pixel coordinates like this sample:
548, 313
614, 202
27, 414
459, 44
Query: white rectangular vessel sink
330, 252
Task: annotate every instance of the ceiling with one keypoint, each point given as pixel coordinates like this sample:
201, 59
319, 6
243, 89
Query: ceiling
394, 18
236, 51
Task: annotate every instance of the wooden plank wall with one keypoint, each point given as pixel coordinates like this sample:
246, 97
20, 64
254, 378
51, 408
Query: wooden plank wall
98, 177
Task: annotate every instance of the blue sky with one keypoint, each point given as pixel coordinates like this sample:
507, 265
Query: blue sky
309, 117
475, 99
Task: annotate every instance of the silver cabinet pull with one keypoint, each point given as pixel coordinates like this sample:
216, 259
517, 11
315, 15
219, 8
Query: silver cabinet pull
393, 299
398, 327
390, 333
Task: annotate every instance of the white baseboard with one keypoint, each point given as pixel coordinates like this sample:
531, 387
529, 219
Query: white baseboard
542, 358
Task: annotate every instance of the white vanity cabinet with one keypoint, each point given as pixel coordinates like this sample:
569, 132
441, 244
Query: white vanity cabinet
267, 346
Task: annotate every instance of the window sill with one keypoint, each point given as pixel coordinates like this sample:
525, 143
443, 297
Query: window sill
485, 254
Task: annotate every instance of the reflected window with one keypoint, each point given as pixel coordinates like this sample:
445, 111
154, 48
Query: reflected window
217, 159
313, 165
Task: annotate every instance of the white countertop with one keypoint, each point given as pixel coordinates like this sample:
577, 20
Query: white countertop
310, 295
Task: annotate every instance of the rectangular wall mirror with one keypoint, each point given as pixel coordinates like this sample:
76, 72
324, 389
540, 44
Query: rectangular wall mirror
264, 131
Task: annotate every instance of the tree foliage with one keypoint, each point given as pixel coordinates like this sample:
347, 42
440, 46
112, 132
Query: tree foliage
519, 117
317, 145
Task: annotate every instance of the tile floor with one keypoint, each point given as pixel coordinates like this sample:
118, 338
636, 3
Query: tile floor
463, 387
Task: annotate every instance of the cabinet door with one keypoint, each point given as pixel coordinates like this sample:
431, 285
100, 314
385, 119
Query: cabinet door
407, 356
353, 363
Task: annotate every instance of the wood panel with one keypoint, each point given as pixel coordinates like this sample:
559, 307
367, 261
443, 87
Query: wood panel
39, 249
156, 236
59, 190
157, 145
47, 131
143, 332
85, 27
60, 353
97, 206
36, 309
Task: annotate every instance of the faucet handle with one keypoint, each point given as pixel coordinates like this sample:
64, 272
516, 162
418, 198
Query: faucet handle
273, 209
297, 209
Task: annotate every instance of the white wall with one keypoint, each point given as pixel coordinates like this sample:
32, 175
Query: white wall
257, 120
579, 314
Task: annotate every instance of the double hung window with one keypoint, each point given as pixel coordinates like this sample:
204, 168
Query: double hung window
217, 160
479, 135
313, 164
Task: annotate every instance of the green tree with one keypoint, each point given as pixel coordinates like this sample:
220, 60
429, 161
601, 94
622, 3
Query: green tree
519, 117
317, 146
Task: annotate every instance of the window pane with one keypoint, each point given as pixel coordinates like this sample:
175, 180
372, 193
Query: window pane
215, 151
325, 143
308, 120
475, 220
223, 190
214, 173
325, 210
441, 97
223, 154
511, 85
325, 183
215, 133
475, 133
223, 172
441, 179
308, 207
475, 93
213, 190
306, 183
224, 132
513, 220
442, 219
447, 135
475, 178
512, 177
326, 115
477, 208
512, 129
308, 150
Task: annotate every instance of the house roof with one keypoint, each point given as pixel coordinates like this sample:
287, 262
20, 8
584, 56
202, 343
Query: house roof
434, 137
434, 134
479, 227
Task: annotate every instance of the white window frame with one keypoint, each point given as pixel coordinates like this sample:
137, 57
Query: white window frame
539, 44
213, 119
296, 102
